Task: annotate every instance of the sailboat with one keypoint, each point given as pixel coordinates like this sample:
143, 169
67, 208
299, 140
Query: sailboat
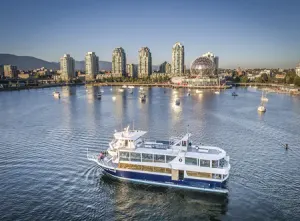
263, 97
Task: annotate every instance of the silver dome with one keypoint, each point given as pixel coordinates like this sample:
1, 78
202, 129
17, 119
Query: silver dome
203, 67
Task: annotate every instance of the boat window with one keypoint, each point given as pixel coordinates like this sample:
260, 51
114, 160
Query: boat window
147, 157
124, 156
126, 143
214, 164
222, 162
183, 143
217, 176
170, 158
190, 161
204, 163
159, 158
135, 157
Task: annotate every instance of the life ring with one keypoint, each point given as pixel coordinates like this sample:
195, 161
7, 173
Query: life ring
180, 160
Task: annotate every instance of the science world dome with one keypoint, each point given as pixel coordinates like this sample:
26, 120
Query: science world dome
203, 67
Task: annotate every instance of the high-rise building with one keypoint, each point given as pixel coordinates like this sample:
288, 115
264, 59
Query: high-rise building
1, 71
214, 59
165, 68
298, 70
10, 71
119, 62
67, 67
145, 62
131, 70
178, 59
91, 66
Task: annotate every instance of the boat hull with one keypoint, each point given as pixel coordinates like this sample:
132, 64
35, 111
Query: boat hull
164, 180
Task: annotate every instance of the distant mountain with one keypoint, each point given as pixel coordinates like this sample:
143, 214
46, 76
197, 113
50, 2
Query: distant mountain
27, 62
30, 63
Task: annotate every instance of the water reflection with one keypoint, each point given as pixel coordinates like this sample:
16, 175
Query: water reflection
134, 200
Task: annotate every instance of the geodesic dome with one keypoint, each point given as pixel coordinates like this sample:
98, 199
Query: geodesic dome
203, 67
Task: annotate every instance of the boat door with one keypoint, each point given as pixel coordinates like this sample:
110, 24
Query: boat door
177, 174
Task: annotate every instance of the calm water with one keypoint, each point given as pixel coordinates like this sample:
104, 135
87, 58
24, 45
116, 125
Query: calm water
44, 173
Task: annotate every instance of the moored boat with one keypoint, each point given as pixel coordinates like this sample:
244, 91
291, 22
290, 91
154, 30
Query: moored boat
121, 90
174, 163
56, 94
143, 97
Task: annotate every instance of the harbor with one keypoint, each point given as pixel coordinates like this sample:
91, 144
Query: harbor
44, 152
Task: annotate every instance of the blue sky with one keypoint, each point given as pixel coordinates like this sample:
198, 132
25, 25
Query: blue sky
245, 33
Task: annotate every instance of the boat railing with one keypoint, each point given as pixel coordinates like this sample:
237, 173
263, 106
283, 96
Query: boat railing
106, 161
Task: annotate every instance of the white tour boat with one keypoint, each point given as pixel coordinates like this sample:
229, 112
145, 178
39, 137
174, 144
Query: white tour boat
174, 163
56, 94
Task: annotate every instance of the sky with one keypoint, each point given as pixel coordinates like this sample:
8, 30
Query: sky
243, 33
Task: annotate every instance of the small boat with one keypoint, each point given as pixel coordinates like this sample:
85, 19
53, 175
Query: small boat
114, 98
141, 88
264, 98
131, 87
261, 108
234, 94
217, 92
177, 102
99, 95
111, 88
175, 92
56, 94
121, 89
143, 97
175, 162
188, 94
102, 91
124, 86
199, 91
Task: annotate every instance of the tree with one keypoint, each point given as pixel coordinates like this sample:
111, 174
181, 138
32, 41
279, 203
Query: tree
297, 81
244, 79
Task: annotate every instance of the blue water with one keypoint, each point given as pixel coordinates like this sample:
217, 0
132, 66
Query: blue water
45, 175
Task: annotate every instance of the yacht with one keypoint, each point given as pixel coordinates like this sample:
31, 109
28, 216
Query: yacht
217, 92
176, 162
261, 108
264, 97
56, 94
99, 95
143, 97
131, 87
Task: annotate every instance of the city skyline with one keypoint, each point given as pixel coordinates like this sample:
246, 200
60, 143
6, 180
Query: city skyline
252, 34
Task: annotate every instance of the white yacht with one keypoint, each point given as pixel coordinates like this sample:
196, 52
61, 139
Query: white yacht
217, 92
176, 162
264, 97
143, 97
56, 94
131, 87
261, 108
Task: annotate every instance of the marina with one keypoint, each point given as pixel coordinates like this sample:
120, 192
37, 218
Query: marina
44, 164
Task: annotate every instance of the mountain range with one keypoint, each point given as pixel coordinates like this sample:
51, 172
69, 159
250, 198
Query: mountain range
30, 63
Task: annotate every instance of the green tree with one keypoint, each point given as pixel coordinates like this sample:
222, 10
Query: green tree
297, 81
